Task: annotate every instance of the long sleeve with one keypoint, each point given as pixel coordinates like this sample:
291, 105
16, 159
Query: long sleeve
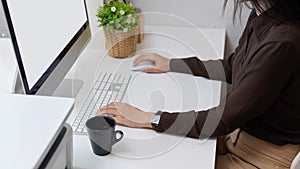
211, 69
260, 84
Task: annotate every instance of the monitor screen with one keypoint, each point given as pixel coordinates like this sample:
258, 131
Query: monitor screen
43, 33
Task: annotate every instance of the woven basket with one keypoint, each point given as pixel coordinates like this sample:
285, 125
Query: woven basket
121, 44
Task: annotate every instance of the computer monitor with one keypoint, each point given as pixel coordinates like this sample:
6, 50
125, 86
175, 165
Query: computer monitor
47, 37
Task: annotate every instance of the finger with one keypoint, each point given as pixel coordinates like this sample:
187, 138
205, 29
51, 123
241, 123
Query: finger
140, 59
109, 106
113, 112
99, 112
115, 105
118, 120
143, 57
152, 70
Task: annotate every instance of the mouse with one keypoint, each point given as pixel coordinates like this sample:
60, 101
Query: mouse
142, 65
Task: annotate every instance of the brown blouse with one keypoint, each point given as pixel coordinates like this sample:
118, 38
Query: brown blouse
264, 72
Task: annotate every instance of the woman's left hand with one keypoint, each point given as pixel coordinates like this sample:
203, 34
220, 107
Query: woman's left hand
127, 115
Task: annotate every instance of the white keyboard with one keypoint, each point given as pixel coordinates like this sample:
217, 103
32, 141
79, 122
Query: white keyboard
109, 87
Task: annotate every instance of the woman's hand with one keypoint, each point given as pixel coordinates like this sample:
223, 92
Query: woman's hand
127, 115
162, 64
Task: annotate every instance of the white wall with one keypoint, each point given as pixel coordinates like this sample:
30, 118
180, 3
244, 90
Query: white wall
202, 13
92, 7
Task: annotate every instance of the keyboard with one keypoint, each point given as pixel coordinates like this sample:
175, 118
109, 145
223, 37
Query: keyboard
108, 87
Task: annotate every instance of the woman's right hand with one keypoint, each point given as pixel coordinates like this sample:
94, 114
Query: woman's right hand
162, 64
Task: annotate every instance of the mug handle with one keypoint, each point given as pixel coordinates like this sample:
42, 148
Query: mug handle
121, 136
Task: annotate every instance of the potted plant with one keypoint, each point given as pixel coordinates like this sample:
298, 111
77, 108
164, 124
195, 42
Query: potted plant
120, 24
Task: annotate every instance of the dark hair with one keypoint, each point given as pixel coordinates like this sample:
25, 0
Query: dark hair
288, 10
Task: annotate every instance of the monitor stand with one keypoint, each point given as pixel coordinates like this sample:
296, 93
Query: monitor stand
18, 87
68, 88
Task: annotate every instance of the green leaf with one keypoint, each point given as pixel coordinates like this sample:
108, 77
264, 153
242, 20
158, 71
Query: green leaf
114, 20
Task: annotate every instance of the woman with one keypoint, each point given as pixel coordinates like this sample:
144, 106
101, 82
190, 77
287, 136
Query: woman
259, 127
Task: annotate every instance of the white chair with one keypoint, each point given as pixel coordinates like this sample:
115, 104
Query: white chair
296, 162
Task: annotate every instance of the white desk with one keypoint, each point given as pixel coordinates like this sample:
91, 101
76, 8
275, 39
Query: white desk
29, 126
142, 148
8, 66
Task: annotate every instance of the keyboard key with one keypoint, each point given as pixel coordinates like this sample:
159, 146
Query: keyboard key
116, 79
126, 80
123, 88
121, 79
111, 78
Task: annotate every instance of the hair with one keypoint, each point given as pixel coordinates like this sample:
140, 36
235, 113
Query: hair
288, 10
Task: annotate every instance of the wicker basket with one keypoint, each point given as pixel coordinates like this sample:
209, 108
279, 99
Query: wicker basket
121, 44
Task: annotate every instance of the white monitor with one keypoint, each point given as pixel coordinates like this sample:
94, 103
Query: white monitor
47, 36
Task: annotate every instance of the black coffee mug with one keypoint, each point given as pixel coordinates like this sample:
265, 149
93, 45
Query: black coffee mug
102, 134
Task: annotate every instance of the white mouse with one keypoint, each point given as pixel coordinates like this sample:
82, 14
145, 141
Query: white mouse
142, 65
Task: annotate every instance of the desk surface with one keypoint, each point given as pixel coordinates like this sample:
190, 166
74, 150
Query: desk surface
8, 66
142, 148
29, 125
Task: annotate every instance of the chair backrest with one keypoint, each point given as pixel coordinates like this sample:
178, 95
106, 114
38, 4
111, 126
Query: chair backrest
296, 162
